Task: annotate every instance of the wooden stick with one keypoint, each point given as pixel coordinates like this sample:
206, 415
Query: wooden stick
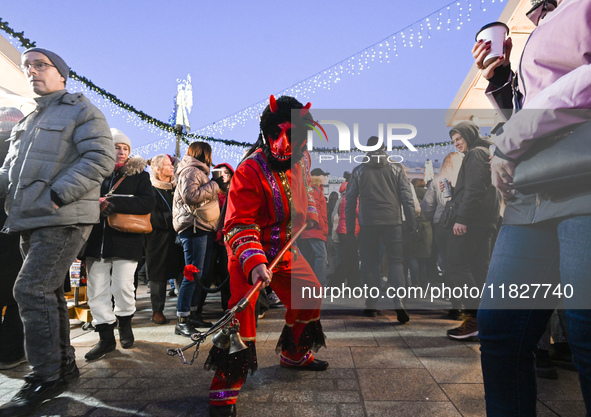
257, 285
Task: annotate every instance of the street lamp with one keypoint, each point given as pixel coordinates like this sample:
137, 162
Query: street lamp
178, 130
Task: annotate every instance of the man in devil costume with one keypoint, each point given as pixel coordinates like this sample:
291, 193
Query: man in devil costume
268, 201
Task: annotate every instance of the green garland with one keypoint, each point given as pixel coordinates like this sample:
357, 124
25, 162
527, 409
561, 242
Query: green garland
27, 43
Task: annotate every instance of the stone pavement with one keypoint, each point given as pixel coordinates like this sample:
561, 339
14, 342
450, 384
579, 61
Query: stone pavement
377, 368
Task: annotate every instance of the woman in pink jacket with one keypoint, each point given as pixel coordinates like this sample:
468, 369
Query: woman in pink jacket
546, 236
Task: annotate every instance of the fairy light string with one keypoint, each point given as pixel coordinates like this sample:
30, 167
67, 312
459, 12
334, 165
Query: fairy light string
451, 15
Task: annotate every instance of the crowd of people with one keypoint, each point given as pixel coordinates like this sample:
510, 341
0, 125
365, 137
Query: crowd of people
220, 229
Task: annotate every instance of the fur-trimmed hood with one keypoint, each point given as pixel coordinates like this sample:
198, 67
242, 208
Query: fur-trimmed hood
133, 166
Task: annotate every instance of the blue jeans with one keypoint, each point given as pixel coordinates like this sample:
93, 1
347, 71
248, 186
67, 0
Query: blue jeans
48, 253
370, 238
548, 253
314, 250
197, 248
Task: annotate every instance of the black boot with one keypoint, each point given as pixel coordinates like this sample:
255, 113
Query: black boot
222, 410
70, 372
401, 313
183, 327
195, 320
106, 343
125, 334
32, 394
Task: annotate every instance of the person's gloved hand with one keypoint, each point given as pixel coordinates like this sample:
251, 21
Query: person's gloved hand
107, 207
219, 180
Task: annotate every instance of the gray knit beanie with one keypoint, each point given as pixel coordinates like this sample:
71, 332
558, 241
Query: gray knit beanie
120, 137
55, 59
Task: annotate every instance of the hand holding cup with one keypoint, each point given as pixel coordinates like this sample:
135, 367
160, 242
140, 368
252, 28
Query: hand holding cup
491, 49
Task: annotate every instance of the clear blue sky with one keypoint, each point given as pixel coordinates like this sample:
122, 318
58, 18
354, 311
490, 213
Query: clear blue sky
240, 52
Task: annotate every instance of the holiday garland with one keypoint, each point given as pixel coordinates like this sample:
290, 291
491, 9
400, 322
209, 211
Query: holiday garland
27, 43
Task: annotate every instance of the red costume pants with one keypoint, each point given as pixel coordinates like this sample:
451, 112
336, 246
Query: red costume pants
293, 282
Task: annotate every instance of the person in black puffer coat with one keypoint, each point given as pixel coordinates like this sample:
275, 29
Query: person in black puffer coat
112, 256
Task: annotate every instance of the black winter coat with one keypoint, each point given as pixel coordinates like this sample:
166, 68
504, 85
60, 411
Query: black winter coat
106, 242
477, 200
164, 258
382, 188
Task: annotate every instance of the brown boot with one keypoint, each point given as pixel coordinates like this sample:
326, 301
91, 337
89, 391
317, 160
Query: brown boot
158, 318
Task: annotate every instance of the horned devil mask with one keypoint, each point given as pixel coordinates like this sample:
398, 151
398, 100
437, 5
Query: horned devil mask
284, 131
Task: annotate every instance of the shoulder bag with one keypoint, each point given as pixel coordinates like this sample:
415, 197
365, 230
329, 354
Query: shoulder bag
208, 212
559, 163
128, 223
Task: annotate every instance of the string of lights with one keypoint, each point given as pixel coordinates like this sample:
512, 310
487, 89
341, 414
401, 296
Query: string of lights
450, 16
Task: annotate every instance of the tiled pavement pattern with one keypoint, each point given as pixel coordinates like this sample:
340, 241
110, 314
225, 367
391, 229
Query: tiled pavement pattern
377, 368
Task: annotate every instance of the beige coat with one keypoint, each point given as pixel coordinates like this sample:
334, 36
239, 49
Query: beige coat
194, 188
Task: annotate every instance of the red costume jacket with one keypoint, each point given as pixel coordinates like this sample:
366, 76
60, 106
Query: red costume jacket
264, 207
320, 231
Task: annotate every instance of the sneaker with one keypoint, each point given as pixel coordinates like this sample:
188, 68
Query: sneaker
468, 329
262, 315
454, 314
12, 364
274, 301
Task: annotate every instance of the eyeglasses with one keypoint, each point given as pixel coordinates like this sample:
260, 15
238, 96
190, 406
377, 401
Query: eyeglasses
38, 66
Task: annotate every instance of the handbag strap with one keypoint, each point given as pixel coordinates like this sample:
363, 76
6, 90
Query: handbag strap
116, 185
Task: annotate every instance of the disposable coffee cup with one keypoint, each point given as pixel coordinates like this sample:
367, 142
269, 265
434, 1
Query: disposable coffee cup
216, 173
496, 32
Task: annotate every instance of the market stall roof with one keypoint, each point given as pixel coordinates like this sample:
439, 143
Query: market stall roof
15, 90
470, 101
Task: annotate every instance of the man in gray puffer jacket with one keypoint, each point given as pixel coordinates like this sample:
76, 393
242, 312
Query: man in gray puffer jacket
57, 159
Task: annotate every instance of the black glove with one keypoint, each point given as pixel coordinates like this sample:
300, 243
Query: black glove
107, 207
219, 180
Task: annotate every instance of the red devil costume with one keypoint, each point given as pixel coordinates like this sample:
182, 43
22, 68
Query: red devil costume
268, 200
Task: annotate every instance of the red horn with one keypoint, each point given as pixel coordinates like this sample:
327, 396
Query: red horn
272, 103
305, 109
